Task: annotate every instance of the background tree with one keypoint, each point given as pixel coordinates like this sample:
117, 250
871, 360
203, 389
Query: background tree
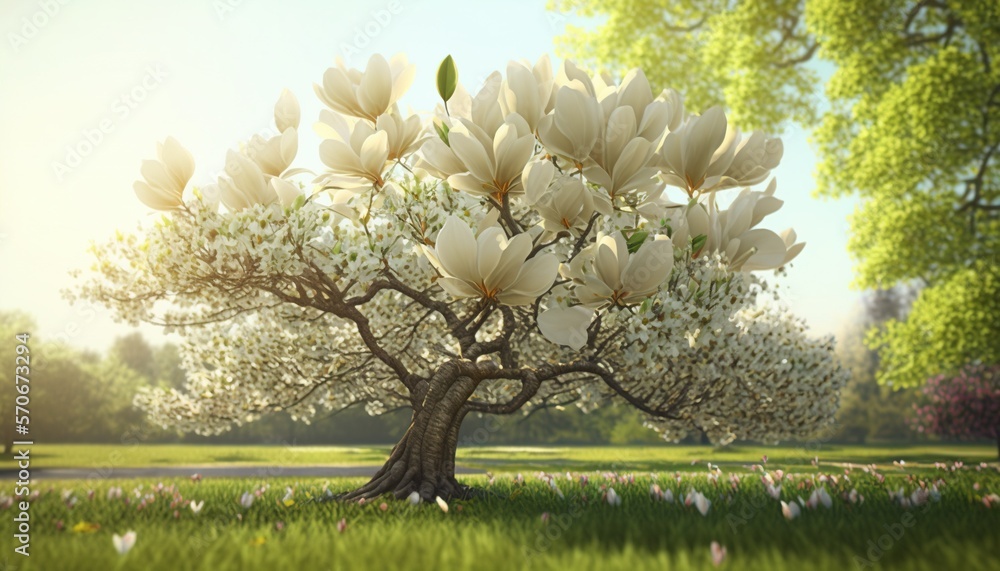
868, 410
81, 397
744, 55
966, 405
136, 353
533, 253
911, 127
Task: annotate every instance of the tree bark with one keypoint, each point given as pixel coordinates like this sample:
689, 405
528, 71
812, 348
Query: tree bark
423, 461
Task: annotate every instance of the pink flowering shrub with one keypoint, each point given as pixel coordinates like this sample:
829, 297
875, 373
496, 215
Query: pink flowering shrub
966, 405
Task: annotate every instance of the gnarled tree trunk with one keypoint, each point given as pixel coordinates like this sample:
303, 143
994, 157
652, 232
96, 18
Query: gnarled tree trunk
424, 459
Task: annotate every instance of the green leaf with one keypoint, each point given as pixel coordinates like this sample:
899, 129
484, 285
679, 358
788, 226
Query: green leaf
636, 240
442, 131
447, 79
698, 243
645, 305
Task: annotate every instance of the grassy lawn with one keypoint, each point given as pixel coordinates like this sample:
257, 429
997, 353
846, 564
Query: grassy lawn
505, 529
507, 459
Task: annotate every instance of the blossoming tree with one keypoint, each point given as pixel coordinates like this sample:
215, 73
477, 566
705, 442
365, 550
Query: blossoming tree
554, 239
965, 405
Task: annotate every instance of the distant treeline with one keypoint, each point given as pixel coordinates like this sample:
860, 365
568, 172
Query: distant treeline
82, 396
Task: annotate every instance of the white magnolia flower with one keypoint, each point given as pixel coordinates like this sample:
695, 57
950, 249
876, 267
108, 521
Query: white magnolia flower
527, 91
246, 500
605, 272
358, 161
790, 511
288, 192
689, 152
166, 177
732, 231
483, 109
621, 159
413, 498
707, 154
246, 184
441, 504
613, 498
366, 95
439, 159
571, 75
124, 543
287, 112
653, 117
490, 266
403, 135
494, 164
702, 503
753, 160
196, 506
273, 155
563, 202
718, 553
555, 488
572, 129
818, 497
566, 325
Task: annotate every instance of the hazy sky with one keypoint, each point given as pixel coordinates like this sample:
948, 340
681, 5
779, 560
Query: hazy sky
112, 77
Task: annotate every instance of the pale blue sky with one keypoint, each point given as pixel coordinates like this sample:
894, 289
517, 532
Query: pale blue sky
208, 73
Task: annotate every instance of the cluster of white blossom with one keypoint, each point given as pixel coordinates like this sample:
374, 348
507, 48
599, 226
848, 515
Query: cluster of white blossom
560, 231
721, 359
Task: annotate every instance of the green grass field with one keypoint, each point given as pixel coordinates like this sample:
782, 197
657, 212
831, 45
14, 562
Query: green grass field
505, 529
505, 458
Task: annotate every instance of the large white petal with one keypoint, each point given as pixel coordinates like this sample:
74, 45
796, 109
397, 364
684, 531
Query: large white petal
535, 178
490, 244
375, 90
286, 111
534, 279
470, 151
649, 267
156, 198
456, 250
458, 288
178, 160
510, 262
706, 134
566, 325
374, 153
770, 252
